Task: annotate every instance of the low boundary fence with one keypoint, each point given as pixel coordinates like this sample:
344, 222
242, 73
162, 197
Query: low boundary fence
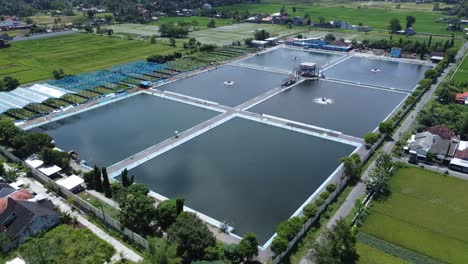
80, 203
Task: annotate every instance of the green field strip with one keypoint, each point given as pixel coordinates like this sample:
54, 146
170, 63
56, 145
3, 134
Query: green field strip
396, 250
419, 209
416, 238
370, 255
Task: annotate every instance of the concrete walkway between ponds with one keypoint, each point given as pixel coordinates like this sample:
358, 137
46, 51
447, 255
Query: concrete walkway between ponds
121, 249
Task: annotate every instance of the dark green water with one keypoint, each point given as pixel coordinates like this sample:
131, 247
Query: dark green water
287, 59
392, 74
251, 174
113, 132
354, 110
210, 85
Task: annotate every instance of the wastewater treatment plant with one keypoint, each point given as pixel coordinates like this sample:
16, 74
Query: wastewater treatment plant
235, 143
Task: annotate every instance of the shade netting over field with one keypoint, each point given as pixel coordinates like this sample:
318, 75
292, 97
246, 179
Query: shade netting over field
21, 97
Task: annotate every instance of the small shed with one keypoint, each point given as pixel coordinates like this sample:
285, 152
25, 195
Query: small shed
16, 260
308, 69
395, 52
259, 44
272, 41
72, 183
51, 170
144, 84
34, 163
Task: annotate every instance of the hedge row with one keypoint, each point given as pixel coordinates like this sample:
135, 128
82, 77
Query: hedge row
395, 250
287, 230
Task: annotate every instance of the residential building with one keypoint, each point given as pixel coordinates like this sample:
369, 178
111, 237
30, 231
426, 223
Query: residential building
22, 219
426, 143
462, 98
460, 161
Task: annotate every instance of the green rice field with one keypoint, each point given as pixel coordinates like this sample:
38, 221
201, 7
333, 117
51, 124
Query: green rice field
425, 215
202, 21
34, 60
238, 32
378, 18
462, 73
370, 255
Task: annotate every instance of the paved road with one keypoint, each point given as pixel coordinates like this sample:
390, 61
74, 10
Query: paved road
360, 189
45, 35
121, 249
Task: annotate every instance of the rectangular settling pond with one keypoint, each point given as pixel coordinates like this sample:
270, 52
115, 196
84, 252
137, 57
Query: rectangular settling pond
391, 74
251, 174
211, 85
285, 59
110, 133
351, 109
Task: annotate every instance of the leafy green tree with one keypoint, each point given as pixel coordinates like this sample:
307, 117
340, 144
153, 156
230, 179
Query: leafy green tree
248, 41
194, 25
371, 138
232, 253
410, 20
289, 229
153, 39
352, 167
88, 178
464, 128
166, 213
179, 205
136, 213
335, 246
2, 168
378, 181
97, 182
126, 179
386, 126
330, 37
9, 132
384, 161
10, 83
394, 25
106, 184
138, 189
248, 246
55, 157
310, 210
279, 244
172, 42
58, 74
430, 74
191, 236
451, 54
261, 34
211, 24
11, 174
34, 142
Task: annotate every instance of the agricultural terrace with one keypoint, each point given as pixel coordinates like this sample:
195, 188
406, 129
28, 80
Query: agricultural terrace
426, 22
462, 72
34, 60
423, 221
64, 244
